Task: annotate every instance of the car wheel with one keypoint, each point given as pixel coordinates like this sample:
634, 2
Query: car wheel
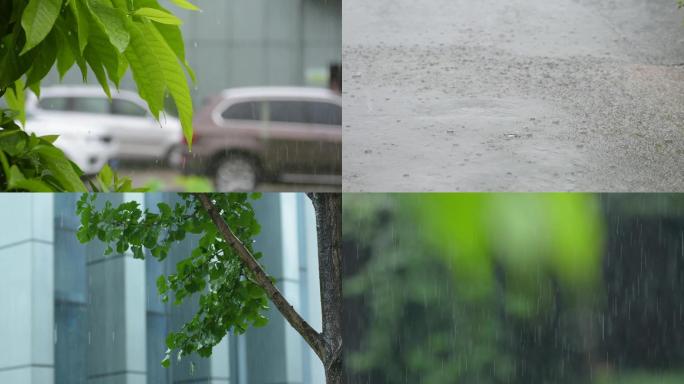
236, 174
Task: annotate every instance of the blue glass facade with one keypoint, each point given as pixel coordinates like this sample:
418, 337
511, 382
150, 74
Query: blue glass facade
107, 323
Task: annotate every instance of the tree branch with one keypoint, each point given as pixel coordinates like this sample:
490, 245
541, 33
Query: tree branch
313, 338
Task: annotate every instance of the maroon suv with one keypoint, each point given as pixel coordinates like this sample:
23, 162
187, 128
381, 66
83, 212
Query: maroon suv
247, 135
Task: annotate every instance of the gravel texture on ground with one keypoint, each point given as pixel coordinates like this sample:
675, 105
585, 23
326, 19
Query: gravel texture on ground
519, 95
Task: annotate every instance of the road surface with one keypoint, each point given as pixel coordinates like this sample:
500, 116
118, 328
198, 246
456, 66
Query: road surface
514, 95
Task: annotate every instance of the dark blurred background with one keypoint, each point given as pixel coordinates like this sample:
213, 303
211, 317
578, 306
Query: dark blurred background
514, 288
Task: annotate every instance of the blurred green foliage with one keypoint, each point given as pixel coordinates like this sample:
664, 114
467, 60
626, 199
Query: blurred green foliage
514, 288
641, 378
461, 285
559, 234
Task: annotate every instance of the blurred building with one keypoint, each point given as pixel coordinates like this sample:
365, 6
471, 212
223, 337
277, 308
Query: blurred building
255, 42
70, 315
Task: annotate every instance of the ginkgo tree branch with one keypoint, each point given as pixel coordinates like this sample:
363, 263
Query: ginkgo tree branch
310, 335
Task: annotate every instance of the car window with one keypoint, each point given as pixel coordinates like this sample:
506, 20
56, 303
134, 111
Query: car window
324, 113
53, 103
243, 111
287, 111
127, 108
98, 105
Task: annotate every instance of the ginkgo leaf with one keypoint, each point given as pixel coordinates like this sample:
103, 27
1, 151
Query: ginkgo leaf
37, 20
158, 16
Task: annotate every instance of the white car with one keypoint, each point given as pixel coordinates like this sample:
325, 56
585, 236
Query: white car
94, 130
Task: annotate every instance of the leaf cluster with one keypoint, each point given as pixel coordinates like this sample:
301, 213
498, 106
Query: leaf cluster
229, 299
107, 36
31, 163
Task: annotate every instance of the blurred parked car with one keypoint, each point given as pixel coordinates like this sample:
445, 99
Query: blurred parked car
94, 130
288, 134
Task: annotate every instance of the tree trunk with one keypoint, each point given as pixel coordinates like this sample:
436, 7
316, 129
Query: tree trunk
328, 209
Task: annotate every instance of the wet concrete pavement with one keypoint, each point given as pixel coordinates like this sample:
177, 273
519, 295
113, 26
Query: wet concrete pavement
519, 95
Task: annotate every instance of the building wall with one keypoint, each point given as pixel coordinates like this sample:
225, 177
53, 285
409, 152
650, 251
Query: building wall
255, 42
26, 289
85, 318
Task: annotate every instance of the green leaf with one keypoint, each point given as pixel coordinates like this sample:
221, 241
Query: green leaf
15, 100
113, 22
46, 54
17, 182
185, 5
7, 116
65, 58
59, 167
106, 175
159, 16
162, 287
93, 59
67, 29
145, 69
103, 51
260, 321
174, 78
37, 20
35, 87
12, 66
173, 36
50, 138
32, 185
80, 14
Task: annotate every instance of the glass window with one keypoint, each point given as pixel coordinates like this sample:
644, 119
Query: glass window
71, 314
242, 111
127, 108
156, 347
288, 111
54, 103
324, 113
98, 105
71, 340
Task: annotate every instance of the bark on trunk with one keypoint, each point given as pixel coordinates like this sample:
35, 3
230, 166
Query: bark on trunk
328, 209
